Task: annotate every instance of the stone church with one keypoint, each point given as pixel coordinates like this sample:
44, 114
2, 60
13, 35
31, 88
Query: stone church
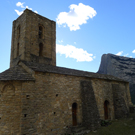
39, 98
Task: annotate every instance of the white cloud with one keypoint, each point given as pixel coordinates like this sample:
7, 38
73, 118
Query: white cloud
119, 53
18, 12
35, 11
19, 4
60, 41
28, 8
133, 51
130, 56
74, 42
78, 15
76, 53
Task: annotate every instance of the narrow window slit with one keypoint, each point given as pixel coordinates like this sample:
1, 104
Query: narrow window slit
27, 96
40, 32
17, 49
40, 49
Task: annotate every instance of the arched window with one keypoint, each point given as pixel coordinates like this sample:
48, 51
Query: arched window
106, 109
74, 114
18, 31
17, 49
40, 49
40, 33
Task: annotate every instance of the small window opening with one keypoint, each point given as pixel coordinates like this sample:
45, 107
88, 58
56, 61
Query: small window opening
40, 32
18, 31
56, 95
27, 96
25, 115
40, 49
54, 113
18, 49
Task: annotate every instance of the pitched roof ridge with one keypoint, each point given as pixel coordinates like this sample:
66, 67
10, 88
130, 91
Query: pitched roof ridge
15, 73
39, 67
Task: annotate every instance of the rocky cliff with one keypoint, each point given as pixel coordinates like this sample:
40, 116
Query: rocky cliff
121, 67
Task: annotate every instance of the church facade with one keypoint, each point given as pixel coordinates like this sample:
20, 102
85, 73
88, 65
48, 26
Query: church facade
39, 98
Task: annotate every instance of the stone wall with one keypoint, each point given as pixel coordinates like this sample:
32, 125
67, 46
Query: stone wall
28, 41
10, 108
44, 106
15, 39
33, 22
90, 113
48, 102
103, 92
116, 96
120, 98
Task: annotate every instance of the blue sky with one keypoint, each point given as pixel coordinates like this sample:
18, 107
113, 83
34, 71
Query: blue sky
85, 29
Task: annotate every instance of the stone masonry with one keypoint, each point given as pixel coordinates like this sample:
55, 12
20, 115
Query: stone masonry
39, 98
26, 41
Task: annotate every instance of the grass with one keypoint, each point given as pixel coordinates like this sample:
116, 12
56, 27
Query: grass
125, 126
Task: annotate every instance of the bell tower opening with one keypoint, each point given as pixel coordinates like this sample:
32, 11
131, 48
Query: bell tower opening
18, 31
40, 33
40, 49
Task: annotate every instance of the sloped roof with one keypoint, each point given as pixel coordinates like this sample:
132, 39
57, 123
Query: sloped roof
66, 71
15, 73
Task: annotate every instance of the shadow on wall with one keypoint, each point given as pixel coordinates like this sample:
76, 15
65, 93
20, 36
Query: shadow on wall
91, 118
120, 108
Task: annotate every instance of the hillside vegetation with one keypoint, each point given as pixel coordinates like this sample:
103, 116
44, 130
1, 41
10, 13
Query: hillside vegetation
125, 126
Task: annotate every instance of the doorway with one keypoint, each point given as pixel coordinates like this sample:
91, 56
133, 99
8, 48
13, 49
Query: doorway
74, 114
106, 112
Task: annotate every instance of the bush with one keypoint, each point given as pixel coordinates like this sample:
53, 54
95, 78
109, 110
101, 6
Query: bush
105, 122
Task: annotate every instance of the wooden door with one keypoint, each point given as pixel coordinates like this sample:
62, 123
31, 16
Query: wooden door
74, 114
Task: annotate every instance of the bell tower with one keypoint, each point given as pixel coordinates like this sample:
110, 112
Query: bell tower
33, 39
